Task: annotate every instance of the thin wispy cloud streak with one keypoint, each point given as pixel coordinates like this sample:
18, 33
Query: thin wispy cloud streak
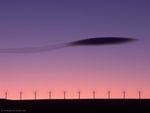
98, 41
33, 49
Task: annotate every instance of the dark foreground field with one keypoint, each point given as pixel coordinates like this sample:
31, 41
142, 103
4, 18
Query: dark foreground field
75, 106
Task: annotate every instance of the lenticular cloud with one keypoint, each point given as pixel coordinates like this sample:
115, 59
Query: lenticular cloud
98, 41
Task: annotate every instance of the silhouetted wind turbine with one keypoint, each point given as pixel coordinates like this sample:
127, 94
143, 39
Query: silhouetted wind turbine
79, 94
35, 95
20, 95
109, 94
124, 94
98, 41
64, 94
94, 94
139, 93
6, 94
50, 94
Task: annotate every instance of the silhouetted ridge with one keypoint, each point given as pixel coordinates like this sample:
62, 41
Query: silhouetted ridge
76, 106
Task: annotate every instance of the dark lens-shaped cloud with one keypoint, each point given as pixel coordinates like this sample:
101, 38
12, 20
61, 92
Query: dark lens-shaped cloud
101, 41
85, 42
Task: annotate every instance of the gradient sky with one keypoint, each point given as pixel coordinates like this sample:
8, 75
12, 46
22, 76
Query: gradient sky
28, 23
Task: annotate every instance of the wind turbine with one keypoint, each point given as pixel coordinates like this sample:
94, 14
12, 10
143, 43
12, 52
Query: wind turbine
94, 94
50, 94
124, 94
109, 92
64, 94
20, 95
79, 94
35, 94
6, 94
139, 93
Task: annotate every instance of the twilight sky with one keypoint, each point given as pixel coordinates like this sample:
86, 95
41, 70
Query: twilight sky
31, 23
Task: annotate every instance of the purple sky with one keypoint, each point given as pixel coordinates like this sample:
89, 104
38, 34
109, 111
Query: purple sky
31, 23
